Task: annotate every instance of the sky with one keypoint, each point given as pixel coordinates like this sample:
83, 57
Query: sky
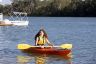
5, 1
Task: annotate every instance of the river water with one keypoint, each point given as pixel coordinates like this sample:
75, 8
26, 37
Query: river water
79, 31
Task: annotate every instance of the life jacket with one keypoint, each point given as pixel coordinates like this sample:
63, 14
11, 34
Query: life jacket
41, 40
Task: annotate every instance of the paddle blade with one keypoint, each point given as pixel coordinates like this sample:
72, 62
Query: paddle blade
66, 46
23, 46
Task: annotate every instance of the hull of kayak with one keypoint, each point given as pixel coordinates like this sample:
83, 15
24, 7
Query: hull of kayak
48, 51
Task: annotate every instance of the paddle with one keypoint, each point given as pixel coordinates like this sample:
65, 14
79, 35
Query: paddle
26, 46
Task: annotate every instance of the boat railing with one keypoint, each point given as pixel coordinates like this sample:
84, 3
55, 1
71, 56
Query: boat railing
21, 16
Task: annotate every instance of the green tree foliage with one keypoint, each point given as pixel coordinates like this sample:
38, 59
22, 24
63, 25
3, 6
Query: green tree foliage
52, 7
1, 8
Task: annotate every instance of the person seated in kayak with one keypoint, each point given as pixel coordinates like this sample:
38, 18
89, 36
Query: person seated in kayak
41, 38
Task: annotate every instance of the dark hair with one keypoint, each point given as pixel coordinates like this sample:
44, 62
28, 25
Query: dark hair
38, 34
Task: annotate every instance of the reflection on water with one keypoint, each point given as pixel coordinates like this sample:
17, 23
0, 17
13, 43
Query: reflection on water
27, 59
23, 59
41, 59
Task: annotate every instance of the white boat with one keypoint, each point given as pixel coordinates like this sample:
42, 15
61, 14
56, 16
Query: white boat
1, 16
20, 23
17, 19
20, 19
3, 23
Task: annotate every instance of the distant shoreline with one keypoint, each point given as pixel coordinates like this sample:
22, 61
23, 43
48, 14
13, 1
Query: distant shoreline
52, 8
54, 16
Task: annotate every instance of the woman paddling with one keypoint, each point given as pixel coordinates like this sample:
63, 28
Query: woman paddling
41, 38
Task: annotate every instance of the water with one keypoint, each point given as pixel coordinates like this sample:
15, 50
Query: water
81, 32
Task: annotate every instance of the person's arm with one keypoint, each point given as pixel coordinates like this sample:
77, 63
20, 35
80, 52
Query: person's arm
36, 41
48, 42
